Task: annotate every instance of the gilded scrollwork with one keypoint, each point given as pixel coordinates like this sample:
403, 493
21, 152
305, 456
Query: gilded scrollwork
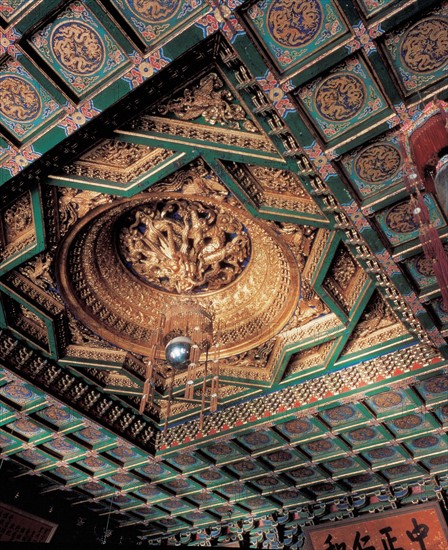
173, 128
209, 99
182, 246
197, 179
125, 313
17, 226
74, 204
117, 161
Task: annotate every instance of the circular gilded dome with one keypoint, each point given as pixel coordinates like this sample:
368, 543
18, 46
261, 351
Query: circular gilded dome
127, 263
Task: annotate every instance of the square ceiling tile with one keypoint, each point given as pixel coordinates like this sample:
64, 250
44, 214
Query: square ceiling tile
27, 108
437, 464
60, 418
383, 456
95, 438
260, 440
247, 468
341, 467
373, 168
412, 425
97, 466
398, 224
366, 436
292, 34
300, 429
304, 475
152, 493
324, 448
79, 49
393, 402
22, 396
63, 448
284, 458
434, 389
182, 486
213, 477
343, 415
29, 430
222, 453
428, 444
345, 99
156, 471
36, 458
153, 21
417, 53
270, 484
187, 462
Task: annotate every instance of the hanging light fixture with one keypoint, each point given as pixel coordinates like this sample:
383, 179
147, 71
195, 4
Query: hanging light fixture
184, 339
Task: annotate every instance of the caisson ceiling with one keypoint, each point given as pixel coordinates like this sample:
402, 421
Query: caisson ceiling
245, 155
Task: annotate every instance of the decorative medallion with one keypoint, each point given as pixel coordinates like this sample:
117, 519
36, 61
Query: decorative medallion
210, 475
424, 47
320, 446
184, 460
301, 473
268, 482
57, 415
360, 479
439, 460
178, 483
379, 454
152, 469
26, 427
387, 400
340, 97
94, 463
294, 23
154, 10
298, 426
255, 439
362, 434
19, 99
378, 163
184, 246
398, 470
437, 385
220, 449
149, 490
126, 263
407, 422
400, 219
340, 463
341, 413
323, 487
17, 392
279, 456
425, 442
77, 47
243, 466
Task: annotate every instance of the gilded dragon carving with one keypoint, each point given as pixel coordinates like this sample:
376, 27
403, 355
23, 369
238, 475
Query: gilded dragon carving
210, 100
183, 246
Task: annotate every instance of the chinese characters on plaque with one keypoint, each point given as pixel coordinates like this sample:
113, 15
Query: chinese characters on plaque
414, 528
19, 526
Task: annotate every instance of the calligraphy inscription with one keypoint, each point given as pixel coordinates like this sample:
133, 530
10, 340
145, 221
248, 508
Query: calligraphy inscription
419, 528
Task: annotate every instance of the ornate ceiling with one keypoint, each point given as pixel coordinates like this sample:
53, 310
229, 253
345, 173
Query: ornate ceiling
244, 155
